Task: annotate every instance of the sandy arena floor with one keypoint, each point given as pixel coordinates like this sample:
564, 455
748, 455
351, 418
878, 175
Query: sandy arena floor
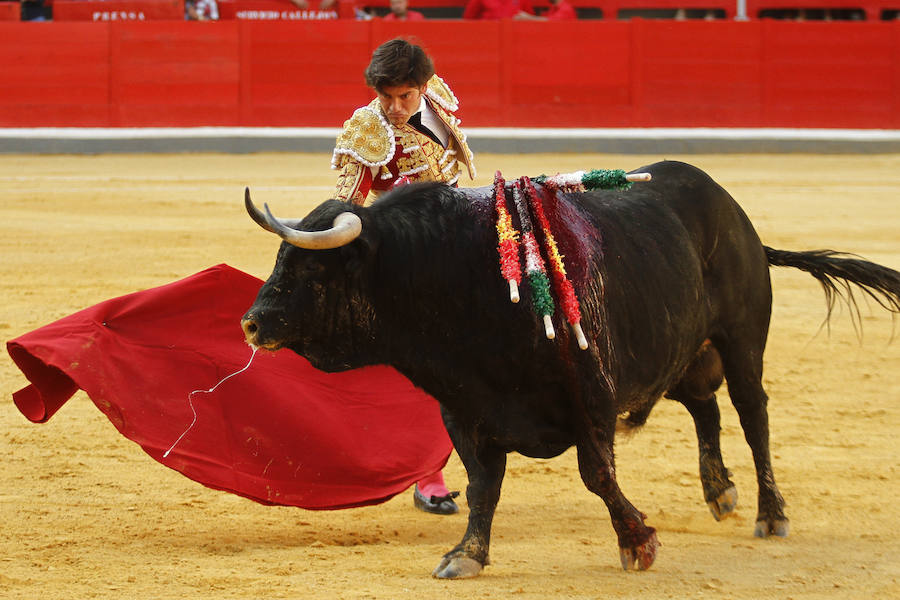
86, 514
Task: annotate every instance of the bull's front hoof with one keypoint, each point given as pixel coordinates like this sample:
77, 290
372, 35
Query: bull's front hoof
457, 567
640, 557
778, 527
724, 505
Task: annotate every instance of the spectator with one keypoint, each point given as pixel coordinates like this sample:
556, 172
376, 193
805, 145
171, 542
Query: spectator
201, 10
333, 9
400, 12
323, 5
34, 10
498, 9
560, 10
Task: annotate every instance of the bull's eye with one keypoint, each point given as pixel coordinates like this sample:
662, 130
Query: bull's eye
311, 269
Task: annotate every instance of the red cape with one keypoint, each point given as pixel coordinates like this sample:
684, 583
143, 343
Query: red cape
280, 432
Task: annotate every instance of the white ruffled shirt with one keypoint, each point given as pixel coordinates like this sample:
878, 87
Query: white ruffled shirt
433, 122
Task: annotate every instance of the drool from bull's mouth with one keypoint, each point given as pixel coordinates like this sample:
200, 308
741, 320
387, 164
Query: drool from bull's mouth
668, 278
208, 391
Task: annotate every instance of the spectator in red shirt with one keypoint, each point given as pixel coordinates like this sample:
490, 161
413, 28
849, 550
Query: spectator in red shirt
560, 10
400, 12
498, 9
323, 5
201, 10
331, 9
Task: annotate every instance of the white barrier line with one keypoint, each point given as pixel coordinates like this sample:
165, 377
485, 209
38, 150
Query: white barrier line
653, 133
137, 133
691, 133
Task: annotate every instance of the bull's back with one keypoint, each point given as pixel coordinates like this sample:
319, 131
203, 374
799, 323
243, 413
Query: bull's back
722, 235
705, 208
734, 262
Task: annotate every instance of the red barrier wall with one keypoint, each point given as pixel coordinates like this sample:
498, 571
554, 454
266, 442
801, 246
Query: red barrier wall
54, 74
174, 74
584, 74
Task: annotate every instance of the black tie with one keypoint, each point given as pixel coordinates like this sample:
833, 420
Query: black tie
416, 122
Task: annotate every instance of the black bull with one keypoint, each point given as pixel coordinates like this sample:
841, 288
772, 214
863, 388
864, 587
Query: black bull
675, 294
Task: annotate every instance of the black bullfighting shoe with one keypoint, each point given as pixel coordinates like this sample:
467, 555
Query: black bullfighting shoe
438, 505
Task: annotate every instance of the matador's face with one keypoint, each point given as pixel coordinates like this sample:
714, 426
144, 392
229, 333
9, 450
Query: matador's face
400, 102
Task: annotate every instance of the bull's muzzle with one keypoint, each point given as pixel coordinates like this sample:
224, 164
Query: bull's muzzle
254, 336
251, 330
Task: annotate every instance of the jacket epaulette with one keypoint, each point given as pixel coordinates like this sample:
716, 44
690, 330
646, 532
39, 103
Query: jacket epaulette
367, 137
441, 93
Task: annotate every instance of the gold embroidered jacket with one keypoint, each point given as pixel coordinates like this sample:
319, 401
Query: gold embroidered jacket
371, 154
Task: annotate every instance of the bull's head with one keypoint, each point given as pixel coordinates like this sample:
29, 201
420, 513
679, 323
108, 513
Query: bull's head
312, 302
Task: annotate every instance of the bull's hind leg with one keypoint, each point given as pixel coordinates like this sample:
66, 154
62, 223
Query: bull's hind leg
596, 462
696, 392
743, 370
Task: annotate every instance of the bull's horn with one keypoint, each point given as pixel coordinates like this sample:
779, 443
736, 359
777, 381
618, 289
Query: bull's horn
345, 228
260, 218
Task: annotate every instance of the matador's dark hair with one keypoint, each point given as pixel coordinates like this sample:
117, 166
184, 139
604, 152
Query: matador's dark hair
398, 62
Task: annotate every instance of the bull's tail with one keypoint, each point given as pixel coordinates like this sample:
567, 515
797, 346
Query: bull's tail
836, 271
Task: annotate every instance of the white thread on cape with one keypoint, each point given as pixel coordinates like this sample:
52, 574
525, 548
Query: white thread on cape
209, 391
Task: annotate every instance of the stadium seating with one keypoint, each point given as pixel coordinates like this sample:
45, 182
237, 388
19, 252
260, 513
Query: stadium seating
273, 10
872, 9
614, 9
